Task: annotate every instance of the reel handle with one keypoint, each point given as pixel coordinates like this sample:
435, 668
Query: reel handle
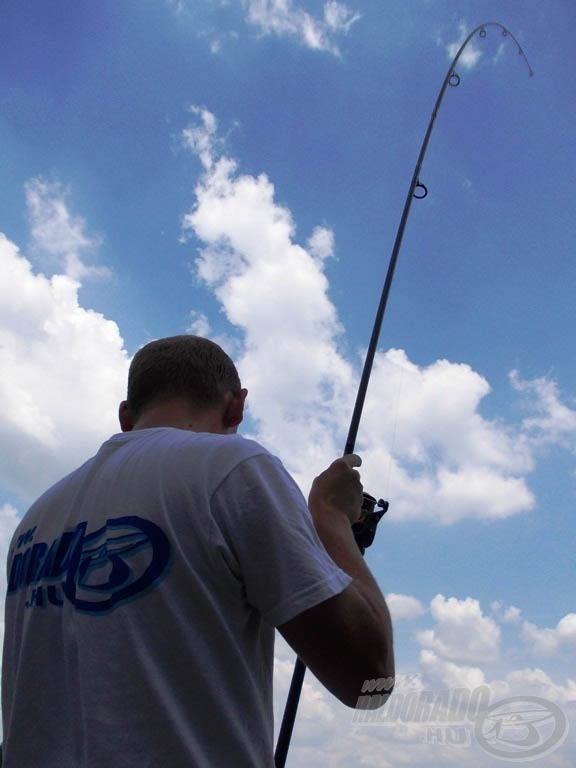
364, 529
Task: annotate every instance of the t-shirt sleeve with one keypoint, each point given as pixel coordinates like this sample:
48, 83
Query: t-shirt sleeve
273, 547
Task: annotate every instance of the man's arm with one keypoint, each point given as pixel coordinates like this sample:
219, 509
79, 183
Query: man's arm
346, 639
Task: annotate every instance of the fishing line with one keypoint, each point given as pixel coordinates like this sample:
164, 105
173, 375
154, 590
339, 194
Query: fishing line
417, 190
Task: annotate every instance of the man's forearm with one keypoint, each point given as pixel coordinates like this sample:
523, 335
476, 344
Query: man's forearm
372, 618
336, 534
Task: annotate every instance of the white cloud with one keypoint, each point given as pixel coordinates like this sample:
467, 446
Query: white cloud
57, 233
201, 137
553, 422
533, 681
274, 291
461, 631
321, 243
440, 673
512, 615
469, 57
404, 607
471, 54
63, 372
199, 324
285, 18
436, 410
506, 614
551, 641
444, 460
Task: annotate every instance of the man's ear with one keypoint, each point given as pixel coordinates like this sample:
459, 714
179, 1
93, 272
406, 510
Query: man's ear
125, 417
234, 412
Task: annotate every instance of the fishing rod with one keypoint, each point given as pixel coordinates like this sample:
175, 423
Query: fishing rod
366, 528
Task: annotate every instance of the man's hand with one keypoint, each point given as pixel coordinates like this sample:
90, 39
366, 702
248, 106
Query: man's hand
338, 489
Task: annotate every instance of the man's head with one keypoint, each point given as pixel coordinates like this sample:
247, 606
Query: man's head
185, 375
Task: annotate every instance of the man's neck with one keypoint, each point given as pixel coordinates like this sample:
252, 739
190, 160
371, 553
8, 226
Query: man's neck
180, 415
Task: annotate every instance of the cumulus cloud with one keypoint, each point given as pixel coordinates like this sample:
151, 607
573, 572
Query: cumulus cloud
440, 673
462, 650
461, 631
63, 366
404, 607
550, 641
441, 455
533, 681
274, 291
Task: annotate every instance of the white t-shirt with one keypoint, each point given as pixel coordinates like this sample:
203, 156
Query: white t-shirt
143, 591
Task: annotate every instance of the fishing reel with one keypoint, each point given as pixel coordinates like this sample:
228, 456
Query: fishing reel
364, 529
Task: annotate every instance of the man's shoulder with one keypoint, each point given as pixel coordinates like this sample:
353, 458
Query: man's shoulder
233, 444
197, 446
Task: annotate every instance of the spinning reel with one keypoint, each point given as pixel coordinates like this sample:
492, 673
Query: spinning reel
364, 529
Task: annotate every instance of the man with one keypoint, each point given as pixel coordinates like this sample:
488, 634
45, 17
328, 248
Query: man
144, 588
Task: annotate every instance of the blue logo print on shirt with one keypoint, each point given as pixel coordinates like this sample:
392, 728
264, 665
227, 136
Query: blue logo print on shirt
95, 572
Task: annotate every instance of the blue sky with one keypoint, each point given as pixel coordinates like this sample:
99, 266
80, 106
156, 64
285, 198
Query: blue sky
238, 169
